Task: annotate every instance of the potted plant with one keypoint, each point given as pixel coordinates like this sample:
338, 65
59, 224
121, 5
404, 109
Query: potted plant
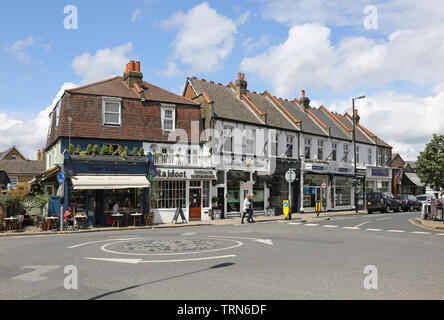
141, 152
214, 201
153, 199
89, 149
78, 149
135, 151
71, 149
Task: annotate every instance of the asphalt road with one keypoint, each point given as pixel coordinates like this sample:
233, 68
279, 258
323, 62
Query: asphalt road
323, 259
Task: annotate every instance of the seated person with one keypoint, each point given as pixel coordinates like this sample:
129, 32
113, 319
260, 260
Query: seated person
69, 216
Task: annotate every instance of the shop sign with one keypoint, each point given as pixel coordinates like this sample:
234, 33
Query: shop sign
380, 172
185, 174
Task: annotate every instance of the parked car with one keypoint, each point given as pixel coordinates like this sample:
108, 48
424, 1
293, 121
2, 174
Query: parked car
426, 198
383, 202
409, 202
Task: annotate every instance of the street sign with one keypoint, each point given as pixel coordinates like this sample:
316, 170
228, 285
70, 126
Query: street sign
324, 185
290, 176
61, 177
286, 205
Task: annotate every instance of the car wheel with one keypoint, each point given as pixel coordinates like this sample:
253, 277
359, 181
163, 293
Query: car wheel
369, 211
398, 208
387, 209
411, 209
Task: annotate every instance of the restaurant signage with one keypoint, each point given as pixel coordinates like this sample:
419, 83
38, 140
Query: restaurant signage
186, 174
380, 172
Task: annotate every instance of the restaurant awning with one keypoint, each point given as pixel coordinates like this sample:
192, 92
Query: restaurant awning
413, 177
238, 175
109, 182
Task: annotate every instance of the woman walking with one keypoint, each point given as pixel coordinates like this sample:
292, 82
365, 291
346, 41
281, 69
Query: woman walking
246, 208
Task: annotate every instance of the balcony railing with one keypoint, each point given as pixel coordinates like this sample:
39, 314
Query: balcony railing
182, 160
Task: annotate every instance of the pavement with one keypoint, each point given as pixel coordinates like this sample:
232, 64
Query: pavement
304, 217
330, 257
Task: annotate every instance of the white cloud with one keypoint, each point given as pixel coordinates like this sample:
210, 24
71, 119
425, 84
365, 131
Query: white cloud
243, 18
308, 59
136, 14
17, 49
104, 64
29, 135
204, 39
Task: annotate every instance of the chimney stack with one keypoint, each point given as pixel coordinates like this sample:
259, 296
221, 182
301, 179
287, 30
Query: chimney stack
241, 85
305, 101
133, 75
43, 155
356, 115
39, 155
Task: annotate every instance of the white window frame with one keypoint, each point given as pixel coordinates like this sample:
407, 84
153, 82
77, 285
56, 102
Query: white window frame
290, 138
50, 123
379, 158
321, 149
165, 108
334, 151
58, 108
274, 144
14, 181
249, 141
227, 135
370, 156
307, 142
346, 152
357, 153
386, 158
104, 112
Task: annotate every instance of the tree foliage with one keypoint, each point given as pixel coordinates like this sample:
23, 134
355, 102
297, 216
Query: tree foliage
430, 166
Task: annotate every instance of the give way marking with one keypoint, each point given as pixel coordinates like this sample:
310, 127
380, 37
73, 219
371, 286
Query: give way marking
37, 274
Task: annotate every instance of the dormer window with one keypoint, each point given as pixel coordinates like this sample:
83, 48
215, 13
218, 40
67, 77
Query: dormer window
59, 104
168, 113
112, 111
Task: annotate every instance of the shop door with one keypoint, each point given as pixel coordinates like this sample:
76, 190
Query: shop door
195, 204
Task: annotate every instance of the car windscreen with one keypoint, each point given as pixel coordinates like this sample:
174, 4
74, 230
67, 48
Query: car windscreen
402, 197
373, 196
421, 198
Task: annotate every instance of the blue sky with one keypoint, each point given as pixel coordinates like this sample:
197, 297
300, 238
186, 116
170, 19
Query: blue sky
283, 46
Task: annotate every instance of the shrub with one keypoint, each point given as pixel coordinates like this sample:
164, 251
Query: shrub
119, 150
104, 150
141, 152
95, 149
78, 149
71, 149
126, 149
111, 150
135, 151
89, 149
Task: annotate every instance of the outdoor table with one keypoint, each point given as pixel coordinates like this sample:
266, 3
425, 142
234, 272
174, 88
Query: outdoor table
80, 219
9, 223
117, 218
53, 222
136, 217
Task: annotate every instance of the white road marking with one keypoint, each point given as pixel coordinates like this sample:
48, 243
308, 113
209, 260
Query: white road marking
37, 274
420, 232
103, 248
136, 261
373, 229
348, 218
265, 241
312, 224
189, 233
361, 224
383, 219
440, 234
329, 226
295, 223
86, 243
396, 231
351, 228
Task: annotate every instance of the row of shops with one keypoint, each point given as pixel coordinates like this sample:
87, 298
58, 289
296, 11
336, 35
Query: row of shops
95, 185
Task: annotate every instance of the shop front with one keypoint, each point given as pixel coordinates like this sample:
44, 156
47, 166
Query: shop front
339, 192
189, 189
96, 184
378, 180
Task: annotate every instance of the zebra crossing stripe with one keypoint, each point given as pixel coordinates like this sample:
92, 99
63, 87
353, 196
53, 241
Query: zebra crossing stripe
373, 229
420, 232
398, 231
329, 226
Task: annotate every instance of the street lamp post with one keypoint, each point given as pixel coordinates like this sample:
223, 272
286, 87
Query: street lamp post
354, 147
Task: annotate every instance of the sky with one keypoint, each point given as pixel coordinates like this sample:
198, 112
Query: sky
390, 51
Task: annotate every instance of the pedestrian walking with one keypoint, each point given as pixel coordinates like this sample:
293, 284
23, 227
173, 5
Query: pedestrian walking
250, 211
246, 208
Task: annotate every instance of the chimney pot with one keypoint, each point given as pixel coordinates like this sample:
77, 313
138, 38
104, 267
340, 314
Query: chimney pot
137, 66
303, 93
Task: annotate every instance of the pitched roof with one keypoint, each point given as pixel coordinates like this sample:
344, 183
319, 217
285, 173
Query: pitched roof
377, 140
360, 136
275, 118
309, 124
7, 151
336, 130
22, 167
226, 104
116, 87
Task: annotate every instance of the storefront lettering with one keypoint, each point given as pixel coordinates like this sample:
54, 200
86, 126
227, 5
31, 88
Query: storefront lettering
380, 172
172, 174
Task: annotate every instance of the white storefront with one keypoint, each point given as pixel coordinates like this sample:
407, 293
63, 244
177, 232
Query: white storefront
339, 194
187, 188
